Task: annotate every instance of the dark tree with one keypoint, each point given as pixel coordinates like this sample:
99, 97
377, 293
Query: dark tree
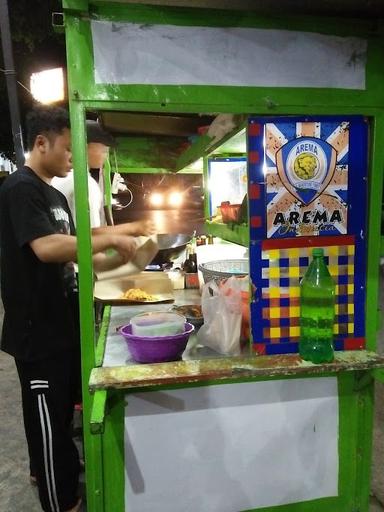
36, 46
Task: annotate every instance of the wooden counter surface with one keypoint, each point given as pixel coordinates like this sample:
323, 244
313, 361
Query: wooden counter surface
227, 368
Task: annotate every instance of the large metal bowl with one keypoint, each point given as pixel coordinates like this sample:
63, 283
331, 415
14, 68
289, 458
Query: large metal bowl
170, 247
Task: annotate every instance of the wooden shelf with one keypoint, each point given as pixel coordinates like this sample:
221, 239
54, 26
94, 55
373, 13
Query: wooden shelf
204, 145
227, 369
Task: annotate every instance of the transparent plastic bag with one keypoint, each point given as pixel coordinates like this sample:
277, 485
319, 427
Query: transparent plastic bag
222, 310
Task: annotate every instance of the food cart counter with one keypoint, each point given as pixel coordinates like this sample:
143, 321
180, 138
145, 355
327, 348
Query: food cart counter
263, 431
212, 422
216, 421
264, 428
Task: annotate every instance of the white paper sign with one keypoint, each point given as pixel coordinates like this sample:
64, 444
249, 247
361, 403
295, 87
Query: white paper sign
130, 53
232, 447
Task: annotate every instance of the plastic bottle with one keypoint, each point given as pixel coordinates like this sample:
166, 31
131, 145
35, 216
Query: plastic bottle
317, 311
190, 270
188, 250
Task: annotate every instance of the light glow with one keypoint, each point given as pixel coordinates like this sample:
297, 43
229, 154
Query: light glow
48, 86
156, 199
175, 199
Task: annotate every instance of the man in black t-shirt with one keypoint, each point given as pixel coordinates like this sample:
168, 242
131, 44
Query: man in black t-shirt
39, 292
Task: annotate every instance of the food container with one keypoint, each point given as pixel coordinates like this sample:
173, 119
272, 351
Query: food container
192, 313
230, 212
177, 279
156, 349
157, 323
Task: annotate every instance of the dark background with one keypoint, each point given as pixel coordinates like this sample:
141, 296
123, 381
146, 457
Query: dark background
35, 47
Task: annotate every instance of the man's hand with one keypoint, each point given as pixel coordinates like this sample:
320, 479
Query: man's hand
143, 227
125, 246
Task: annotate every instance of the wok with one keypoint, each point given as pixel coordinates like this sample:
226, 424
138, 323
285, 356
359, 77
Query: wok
170, 246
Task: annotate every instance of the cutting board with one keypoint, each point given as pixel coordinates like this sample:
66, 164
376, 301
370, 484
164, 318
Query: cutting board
111, 291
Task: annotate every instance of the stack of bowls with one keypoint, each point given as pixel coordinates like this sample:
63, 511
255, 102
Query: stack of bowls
157, 336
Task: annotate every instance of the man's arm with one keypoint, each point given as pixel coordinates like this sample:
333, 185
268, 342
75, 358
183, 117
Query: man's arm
62, 248
137, 228
103, 262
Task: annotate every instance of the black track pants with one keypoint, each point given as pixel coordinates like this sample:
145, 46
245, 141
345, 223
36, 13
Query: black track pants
49, 390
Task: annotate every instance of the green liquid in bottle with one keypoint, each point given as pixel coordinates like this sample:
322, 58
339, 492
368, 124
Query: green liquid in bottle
317, 311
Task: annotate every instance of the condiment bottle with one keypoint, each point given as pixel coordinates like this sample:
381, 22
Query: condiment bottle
191, 276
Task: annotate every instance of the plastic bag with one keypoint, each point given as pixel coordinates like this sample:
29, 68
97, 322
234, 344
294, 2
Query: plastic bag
222, 307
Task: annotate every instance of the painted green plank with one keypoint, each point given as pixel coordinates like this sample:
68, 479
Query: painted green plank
236, 233
348, 437
364, 447
186, 16
233, 142
374, 228
233, 145
230, 368
260, 100
194, 152
79, 56
257, 99
76, 5
92, 444
98, 412
378, 375
238, 106
112, 457
102, 340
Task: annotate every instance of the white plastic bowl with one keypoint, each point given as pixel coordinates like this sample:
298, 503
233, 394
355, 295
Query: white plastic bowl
157, 323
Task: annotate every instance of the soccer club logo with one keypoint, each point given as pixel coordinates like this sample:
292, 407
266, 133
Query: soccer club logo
306, 166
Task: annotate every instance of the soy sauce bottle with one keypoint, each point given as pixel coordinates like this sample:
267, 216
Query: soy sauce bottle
191, 276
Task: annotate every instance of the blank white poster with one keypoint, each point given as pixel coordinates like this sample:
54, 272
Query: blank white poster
131, 53
233, 447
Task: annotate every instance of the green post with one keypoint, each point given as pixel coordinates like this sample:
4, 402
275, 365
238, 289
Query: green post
374, 226
92, 445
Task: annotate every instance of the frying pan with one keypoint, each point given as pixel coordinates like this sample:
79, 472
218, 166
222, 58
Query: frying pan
170, 246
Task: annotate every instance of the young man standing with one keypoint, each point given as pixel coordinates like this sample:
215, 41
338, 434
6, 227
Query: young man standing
39, 292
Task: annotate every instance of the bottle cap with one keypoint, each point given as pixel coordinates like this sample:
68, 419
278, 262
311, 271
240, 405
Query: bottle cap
318, 251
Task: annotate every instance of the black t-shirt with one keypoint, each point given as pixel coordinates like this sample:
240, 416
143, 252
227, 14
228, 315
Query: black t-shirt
40, 299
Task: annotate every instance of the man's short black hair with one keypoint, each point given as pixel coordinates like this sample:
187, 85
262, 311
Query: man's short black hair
45, 120
96, 133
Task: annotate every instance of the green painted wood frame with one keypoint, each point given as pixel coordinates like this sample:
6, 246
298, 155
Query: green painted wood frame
104, 453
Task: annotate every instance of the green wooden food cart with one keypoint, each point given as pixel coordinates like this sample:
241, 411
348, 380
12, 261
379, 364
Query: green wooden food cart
281, 90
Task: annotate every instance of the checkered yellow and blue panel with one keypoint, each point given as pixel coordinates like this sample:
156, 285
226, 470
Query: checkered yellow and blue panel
276, 310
